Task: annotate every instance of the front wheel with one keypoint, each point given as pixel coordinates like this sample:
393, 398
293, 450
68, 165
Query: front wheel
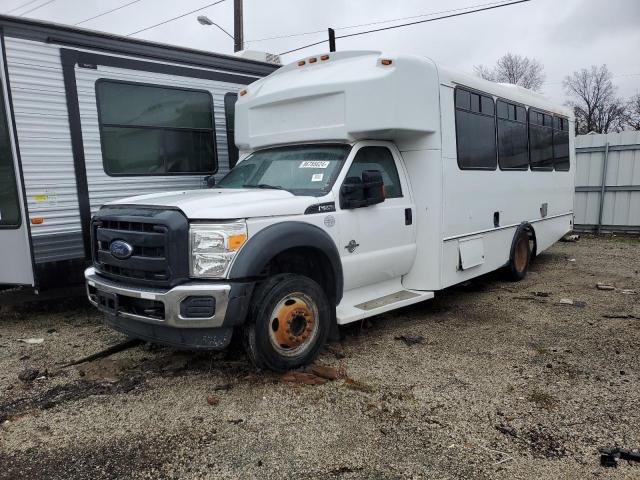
290, 322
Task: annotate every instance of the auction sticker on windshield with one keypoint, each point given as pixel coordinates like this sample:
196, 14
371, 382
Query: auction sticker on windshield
314, 164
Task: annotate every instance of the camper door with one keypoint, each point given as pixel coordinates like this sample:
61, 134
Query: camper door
15, 252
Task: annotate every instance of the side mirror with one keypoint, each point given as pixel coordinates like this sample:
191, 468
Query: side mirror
359, 192
211, 181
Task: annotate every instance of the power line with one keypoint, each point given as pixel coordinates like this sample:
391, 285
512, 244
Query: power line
175, 18
411, 23
37, 8
20, 6
374, 23
107, 12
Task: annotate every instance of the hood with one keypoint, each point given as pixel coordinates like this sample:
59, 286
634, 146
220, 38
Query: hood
223, 203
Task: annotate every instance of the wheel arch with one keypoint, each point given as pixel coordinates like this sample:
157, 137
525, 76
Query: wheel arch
276, 241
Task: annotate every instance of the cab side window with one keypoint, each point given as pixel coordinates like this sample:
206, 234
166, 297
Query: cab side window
378, 158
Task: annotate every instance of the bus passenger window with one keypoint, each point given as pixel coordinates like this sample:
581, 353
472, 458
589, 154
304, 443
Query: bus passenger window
513, 149
541, 141
561, 144
475, 131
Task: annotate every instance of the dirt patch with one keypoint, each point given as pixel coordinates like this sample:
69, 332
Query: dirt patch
68, 392
491, 379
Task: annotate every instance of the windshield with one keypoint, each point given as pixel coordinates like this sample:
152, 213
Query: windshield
300, 169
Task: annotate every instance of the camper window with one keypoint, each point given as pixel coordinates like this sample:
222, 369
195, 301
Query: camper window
230, 100
475, 131
513, 149
541, 140
154, 130
9, 206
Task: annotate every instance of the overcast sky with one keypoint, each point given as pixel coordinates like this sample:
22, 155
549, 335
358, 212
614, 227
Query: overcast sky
565, 35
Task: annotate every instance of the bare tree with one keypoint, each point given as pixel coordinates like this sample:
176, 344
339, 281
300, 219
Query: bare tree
632, 113
513, 68
595, 104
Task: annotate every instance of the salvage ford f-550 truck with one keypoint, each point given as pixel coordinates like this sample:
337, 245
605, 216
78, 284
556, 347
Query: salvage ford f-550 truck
368, 182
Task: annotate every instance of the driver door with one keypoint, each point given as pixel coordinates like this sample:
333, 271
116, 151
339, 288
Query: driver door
377, 242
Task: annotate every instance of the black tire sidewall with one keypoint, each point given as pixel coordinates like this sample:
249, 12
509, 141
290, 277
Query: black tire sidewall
513, 271
267, 296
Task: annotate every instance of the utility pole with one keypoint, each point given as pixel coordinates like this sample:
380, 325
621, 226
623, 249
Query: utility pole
238, 35
332, 40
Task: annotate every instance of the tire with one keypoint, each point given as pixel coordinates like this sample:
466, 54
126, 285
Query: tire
289, 324
520, 256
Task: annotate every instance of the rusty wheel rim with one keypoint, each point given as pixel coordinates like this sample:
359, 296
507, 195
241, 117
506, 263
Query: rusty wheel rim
521, 254
293, 325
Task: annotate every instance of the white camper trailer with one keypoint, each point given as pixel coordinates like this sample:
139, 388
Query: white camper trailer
371, 182
87, 118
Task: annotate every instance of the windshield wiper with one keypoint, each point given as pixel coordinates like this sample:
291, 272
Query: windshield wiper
265, 186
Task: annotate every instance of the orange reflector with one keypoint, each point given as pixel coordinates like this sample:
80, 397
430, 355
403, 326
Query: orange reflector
37, 221
386, 61
313, 60
324, 57
301, 63
243, 93
236, 241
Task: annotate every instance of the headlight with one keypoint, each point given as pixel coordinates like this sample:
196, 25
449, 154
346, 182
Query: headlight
214, 246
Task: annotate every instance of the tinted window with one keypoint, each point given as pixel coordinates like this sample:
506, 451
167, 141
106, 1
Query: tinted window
378, 158
152, 130
487, 105
561, 144
513, 153
9, 206
463, 99
475, 132
230, 100
541, 141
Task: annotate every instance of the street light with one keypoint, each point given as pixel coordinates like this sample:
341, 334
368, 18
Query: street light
204, 20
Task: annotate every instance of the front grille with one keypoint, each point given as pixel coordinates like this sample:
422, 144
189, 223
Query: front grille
159, 241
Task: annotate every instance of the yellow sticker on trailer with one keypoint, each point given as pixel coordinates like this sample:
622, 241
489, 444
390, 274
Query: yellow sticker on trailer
41, 198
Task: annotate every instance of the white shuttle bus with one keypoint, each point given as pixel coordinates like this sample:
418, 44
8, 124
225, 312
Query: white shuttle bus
368, 182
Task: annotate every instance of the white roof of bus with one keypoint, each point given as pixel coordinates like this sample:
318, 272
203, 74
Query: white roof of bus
352, 95
515, 93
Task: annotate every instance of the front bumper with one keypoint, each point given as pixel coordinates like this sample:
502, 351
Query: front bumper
155, 314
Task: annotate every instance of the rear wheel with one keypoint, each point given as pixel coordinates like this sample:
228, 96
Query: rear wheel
520, 256
290, 322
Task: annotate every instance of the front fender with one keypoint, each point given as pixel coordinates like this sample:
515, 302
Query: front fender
277, 238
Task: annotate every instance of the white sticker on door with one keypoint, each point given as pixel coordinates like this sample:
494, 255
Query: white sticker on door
317, 177
314, 164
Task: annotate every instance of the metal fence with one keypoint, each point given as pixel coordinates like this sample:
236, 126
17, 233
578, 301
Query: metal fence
608, 182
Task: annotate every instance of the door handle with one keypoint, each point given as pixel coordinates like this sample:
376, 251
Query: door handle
408, 216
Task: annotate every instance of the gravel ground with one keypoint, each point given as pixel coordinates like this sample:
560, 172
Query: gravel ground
506, 382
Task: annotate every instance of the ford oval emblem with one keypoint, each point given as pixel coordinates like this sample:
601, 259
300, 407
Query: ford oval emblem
120, 249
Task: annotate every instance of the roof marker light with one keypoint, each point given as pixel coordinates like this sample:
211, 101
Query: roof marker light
313, 60
301, 63
324, 57
386, 61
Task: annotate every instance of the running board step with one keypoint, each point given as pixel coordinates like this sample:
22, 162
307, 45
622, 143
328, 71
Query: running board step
387, 300
375, 299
